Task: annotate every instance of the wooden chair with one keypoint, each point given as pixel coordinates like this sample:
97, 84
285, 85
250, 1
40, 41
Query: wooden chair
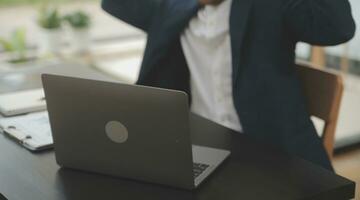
323, 91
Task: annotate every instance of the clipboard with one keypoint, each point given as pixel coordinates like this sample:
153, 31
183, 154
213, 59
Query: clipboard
32, 131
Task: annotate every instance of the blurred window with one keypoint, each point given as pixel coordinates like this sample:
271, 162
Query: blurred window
23, 14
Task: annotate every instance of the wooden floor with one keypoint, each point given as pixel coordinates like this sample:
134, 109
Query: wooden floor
347, 164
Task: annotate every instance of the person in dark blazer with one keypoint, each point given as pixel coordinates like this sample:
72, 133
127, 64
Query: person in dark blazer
235, 59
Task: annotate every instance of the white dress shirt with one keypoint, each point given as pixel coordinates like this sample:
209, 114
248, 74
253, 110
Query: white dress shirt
207, 48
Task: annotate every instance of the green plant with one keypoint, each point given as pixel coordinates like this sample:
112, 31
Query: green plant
16, 44
78, 20
49, 17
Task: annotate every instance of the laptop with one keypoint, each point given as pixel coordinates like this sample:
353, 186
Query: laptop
129, 131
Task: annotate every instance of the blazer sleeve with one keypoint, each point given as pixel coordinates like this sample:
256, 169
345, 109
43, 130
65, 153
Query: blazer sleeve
138, 13
319, 22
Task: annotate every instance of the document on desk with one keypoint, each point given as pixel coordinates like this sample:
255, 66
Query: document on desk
32, 130
22, 102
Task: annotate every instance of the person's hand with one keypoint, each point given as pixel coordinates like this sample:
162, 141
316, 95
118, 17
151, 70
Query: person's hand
210, 2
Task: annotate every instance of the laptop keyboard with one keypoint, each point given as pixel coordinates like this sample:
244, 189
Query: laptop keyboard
199, 168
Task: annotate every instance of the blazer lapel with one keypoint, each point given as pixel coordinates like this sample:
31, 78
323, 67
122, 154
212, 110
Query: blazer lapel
239, 17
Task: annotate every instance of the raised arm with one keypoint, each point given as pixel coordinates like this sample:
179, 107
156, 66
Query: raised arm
138, 13
319, 22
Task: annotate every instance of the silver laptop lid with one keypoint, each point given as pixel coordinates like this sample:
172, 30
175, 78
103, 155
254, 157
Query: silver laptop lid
154, 142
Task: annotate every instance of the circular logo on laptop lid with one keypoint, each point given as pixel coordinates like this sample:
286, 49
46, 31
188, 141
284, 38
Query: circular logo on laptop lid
116, 132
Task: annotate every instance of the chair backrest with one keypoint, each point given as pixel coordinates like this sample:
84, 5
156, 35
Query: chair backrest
323, 92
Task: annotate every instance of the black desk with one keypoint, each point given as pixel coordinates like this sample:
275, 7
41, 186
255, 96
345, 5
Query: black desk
253, 171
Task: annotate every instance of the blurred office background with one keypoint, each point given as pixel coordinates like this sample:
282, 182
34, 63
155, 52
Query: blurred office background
94, 38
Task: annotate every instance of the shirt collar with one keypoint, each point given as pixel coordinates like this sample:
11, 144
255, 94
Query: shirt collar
211, 21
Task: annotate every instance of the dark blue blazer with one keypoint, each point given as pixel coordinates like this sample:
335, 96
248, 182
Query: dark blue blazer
264, 34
